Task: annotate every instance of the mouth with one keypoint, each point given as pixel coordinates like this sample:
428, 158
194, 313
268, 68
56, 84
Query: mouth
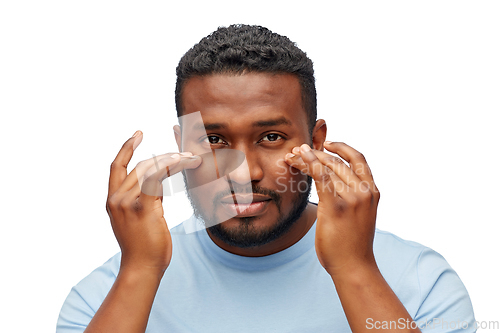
245, 205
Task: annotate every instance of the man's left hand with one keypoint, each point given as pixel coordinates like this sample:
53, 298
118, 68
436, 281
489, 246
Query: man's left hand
347, 206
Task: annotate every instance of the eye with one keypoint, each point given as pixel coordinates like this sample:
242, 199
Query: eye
213, 140
272, 137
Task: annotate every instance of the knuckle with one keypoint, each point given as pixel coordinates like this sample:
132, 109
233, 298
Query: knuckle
108, 208
329, 159
333, 160
364, 187
112, 202
323, 178
113, 165
130, 205
126, 203
365, 196
122, 205
355, 201
146, 177
127, 144
140, 165
360, 156
147, 161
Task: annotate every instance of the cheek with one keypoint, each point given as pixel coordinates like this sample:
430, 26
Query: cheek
202, 175
286, 178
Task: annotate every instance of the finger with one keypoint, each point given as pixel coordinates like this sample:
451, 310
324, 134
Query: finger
142, 167
151, 185
295, 161
131, 200
327, 182
134, 192
355, 159
118, 171
151, 182
339, 167
335, 186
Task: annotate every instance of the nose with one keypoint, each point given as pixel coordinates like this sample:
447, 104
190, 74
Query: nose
249, 171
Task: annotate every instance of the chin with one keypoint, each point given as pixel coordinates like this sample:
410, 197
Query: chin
254, 231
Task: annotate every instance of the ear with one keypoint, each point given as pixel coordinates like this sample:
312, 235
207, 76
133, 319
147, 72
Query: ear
319, 134
178, 137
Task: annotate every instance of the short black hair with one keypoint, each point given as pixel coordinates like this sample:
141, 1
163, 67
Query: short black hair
248, 48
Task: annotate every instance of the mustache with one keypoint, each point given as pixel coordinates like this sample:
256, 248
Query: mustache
256, 189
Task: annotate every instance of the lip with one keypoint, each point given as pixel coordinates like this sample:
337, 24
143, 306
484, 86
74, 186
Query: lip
246, 209
244, 199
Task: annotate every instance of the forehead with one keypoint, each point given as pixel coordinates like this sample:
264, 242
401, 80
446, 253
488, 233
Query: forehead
246, 97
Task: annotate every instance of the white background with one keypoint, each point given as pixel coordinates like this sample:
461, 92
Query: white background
412, 85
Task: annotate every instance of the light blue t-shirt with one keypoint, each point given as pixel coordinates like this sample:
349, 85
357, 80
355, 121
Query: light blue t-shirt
206, 289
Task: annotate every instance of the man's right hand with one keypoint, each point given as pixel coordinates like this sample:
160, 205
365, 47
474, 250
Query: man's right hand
135, 209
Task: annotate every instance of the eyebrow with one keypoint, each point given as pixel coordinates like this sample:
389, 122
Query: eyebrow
272, 122
259, 123
210, 127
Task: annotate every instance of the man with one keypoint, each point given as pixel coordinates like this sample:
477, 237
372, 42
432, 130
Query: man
268, 260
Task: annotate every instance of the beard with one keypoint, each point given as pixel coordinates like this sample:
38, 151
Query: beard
246, 235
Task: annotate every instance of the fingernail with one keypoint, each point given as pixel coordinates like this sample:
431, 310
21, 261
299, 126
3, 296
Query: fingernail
138, 140
307, 154
328, 142
296, 150
136, 134
305, 147
187, 154
175, 156
289, 155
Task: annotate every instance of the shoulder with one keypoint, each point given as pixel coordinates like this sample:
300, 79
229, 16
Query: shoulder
405, 257
392, 250
385, 240
422, 279
86, 297
95, 286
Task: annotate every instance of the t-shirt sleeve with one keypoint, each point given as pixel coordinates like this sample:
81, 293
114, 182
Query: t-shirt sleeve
86, 297
445, 305
75, 314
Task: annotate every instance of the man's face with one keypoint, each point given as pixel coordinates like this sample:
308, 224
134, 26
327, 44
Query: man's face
262, 116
